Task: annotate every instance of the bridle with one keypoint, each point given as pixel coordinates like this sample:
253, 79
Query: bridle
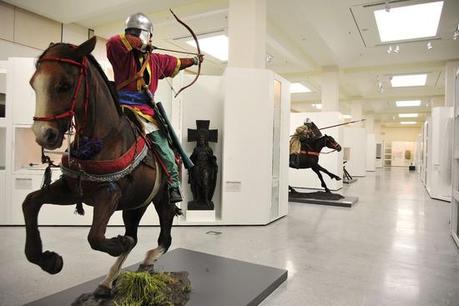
82, 75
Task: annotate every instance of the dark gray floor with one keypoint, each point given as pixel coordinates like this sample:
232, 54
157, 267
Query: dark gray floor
392, 248
215, 280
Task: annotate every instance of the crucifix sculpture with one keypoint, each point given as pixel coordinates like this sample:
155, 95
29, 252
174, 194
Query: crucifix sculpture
203, 176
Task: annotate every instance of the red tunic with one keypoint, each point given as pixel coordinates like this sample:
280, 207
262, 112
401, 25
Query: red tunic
121, 54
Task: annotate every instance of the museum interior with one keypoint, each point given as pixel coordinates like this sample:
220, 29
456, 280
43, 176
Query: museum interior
241, 152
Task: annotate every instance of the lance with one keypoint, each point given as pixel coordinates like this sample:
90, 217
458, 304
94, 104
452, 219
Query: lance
346, 123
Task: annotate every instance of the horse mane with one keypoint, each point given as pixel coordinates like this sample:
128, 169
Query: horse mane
94, 62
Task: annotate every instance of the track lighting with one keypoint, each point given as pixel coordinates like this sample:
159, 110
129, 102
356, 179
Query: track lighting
393, 50
429, 46
456, 33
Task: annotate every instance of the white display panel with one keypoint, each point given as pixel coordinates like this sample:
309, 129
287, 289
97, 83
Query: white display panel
454, 220
247, 175
306, 178
23, 96
439, 148
355, 138
371, 153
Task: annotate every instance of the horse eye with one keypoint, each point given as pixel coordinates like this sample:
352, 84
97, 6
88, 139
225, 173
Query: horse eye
63, 86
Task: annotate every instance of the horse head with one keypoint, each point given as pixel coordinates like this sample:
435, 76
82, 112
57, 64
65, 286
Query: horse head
61, 89
331, 143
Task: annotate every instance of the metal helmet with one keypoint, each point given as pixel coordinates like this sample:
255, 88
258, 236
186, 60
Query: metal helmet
139, 21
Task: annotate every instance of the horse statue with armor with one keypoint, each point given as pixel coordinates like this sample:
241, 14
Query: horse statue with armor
306, 146
108, 166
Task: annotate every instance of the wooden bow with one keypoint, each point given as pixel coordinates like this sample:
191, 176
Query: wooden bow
199, 52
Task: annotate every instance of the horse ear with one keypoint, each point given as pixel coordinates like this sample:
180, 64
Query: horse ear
85, 48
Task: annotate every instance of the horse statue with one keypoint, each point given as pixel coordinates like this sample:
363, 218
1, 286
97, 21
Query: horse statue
108, 165
305, 148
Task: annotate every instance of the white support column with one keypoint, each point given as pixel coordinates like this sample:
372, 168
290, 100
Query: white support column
370, 124
450, 78
356, 112
329, 87
247, 33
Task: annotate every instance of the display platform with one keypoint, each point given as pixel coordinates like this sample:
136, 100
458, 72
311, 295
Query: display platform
215, 280
322, 198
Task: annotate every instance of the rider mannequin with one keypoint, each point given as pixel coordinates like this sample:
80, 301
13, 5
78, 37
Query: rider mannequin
127, 52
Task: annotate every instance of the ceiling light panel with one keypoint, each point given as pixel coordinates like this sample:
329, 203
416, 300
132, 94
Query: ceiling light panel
216, 46
408, 115
298, 88
409, 80
409, 22
408, 103
408, 122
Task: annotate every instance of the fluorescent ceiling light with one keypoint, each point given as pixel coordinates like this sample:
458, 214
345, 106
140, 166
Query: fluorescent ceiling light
408, 103
408, 122
298, 88
347, 116
409, 80
407, 115
408, 22
216, 46
318, 106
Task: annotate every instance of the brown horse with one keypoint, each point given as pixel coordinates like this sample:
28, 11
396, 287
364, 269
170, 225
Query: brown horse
69, 84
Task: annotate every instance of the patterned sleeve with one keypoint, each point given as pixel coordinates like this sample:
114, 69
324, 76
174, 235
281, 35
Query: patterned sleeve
166, 65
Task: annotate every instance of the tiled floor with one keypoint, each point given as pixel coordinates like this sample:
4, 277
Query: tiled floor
392, 248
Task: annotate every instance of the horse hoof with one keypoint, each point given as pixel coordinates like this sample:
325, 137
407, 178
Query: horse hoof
102, 292
146, 268
51, 262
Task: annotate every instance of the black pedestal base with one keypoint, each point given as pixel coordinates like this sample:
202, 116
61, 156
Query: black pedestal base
322, 198
215, 280
194, 205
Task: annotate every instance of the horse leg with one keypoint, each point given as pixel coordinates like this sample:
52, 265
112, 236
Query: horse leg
131, 220
331, 175
166, 213
105, 203
316, 170
59, 194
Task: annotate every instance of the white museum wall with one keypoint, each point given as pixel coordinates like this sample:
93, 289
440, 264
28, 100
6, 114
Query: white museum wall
251, 192
202, 101
371, 153
355, 138
440, 154
306, 178
454, 219
403, 153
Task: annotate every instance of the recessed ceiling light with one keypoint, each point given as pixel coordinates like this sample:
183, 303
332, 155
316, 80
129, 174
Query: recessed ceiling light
408, 103
347, 116
414, 115
408, 122
298, 88
409, 22
409, 80
216, 46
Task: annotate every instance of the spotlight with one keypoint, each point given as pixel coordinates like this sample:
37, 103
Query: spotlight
397, 49
387, 6
456, 33
429, 46
389, 50
269, 58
